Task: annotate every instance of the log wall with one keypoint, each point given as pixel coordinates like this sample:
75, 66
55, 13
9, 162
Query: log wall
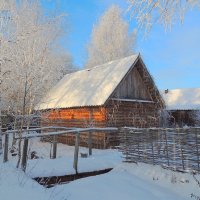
75, 117
114, 114
132, 114
184, 118
80, 118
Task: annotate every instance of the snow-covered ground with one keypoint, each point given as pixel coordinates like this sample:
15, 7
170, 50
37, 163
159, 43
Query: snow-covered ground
125, 182
131, 182
63, 165
15, 185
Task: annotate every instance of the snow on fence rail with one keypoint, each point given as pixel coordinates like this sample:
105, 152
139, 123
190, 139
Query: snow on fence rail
69, 130
177, 149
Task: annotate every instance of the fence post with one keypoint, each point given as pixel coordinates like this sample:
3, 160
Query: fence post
54, 147
125, 134
24, 155
0, 137
150, 132
76, 151
138, 148
5, 153
181, 148
166, 143
197, 148
90, 142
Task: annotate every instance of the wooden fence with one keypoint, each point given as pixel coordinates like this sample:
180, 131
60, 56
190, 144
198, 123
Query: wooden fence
178, 149
53, 133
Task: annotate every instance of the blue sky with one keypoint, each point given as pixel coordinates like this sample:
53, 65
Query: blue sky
172, 57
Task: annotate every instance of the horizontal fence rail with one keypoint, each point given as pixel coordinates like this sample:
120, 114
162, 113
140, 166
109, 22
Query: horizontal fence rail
68, 130
25, 130
178, 149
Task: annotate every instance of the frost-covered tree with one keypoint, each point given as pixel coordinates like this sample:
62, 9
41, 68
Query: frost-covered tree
29, 64
110, 38
28, 41
165, 12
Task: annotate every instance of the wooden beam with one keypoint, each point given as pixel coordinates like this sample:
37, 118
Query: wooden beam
54, 147
133, 100
90, 142
24, 155
40, 129
74, 131
5, 153
76, 151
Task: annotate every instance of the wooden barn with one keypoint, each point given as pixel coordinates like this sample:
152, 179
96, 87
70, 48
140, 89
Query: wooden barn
116, 94
183, 106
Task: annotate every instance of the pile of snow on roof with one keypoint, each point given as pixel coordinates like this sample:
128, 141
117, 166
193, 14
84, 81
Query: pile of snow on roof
89, 87
182, 99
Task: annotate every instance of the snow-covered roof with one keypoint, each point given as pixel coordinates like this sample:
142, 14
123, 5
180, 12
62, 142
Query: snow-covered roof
89, 87
182, 99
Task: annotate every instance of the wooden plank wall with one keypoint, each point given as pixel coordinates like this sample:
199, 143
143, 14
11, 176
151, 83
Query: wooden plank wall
149, 84
132, 87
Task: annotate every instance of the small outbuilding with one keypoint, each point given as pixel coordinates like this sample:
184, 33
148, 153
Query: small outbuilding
116, 94
183, 106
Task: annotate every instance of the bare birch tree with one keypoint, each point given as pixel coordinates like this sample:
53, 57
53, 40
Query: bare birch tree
110, 38
28, 41
165, 12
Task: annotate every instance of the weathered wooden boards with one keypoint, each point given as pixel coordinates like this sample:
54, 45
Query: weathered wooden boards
1, 145
54, 147
24, 155
76, 152
5, 154
132, 87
